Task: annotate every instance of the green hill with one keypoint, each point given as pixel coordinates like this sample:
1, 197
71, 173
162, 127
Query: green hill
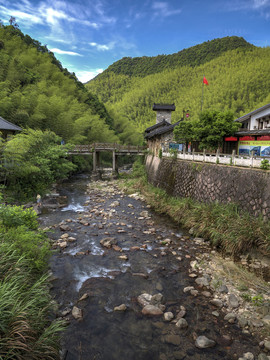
36, 92
237, 75
193, 56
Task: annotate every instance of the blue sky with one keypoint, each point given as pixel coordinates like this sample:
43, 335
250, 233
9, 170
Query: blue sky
89, 35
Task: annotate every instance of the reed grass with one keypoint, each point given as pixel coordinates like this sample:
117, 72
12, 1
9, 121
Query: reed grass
232, 231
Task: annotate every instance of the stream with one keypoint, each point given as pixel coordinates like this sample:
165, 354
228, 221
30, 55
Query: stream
142, 253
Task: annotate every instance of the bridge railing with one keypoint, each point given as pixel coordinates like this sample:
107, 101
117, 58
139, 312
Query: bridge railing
106, 146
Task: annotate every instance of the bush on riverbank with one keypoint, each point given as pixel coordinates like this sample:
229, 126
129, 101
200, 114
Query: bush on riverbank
25, 302
232, 231
31, 161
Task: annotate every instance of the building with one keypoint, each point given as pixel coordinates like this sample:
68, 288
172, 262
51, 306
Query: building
7, 128
161, 134
253, 136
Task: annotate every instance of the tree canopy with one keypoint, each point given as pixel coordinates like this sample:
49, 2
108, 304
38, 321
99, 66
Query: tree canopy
209, 130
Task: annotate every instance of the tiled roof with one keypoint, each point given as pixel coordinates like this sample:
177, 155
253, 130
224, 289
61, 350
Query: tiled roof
245, 117
161, 123
170, 107
160, 131
6, 125
253, 132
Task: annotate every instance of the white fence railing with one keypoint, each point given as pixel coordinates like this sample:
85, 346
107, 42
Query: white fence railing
217, 158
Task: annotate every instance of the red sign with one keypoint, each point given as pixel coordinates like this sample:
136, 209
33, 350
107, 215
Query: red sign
247, 138
265, 137
231, 138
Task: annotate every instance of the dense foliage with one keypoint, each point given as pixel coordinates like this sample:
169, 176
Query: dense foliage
209, 130
193, 56
237, 79
32, 160
36, 92
25, 332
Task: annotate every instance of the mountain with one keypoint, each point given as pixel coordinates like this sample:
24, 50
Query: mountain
237, 73
193, 56
37, 92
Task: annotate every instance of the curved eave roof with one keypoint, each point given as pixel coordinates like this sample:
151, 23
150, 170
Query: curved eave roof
6, 125
247, 116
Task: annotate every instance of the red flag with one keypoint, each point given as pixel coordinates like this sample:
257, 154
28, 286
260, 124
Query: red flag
205, 81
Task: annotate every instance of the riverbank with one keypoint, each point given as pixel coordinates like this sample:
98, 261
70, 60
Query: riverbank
236, 234
27, 330
243, 274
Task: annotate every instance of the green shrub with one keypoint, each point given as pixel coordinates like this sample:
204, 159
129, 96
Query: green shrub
265, 164
33, 245
160, 153
13, 216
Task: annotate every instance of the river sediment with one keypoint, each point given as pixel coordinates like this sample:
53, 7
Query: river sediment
132, 285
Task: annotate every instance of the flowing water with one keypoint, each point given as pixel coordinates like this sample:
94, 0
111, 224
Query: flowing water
85, 267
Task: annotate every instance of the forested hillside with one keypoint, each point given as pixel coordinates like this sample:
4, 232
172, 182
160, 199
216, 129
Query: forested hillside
36, 92
193, 56
238, 80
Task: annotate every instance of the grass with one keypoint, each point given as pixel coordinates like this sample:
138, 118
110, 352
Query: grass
224, 225
25, 303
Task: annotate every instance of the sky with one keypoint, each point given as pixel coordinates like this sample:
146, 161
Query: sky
87, 36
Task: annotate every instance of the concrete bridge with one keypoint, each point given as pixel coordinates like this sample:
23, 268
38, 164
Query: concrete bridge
116, 149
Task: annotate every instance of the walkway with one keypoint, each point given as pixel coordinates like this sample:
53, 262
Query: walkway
116, 149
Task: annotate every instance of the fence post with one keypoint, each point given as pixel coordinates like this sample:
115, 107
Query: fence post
193, 154
204, 152
233, 157
217, 156
251, 158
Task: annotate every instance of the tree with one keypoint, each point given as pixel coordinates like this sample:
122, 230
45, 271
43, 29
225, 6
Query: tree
209, 130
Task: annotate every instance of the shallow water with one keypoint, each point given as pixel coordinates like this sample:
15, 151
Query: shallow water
109, 281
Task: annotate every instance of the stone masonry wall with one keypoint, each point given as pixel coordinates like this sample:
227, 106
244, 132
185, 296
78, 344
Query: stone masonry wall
249, 188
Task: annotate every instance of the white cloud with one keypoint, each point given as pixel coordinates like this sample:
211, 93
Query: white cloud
86, 75
63, 52
103, 47
162, 9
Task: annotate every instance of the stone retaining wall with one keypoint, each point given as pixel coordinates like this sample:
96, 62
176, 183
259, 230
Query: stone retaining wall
249, 188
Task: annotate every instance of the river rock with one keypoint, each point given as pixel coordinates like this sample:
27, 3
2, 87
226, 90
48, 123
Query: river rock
182, 323
248, 356
63, 244
108, 242
242, 321
71, 239
77, 313
121, 307
156, 299
144, 214
173, 339
152, 310
123, 257
230, 317
83, 297
223, 289
202, 281
262, 356
115, 204
267, 345
144, 299
202, 342
168, 316
206, 294
181, 313
64, 227
233, 301
188, 288
217, 302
